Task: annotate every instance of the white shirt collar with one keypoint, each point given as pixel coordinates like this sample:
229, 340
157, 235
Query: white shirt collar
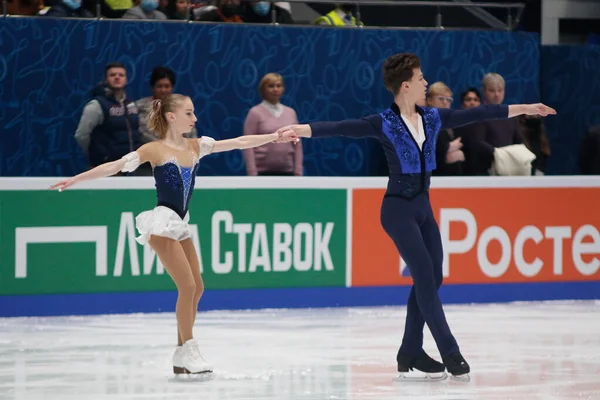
275, 109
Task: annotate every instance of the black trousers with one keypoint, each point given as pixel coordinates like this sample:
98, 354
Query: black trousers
414, 230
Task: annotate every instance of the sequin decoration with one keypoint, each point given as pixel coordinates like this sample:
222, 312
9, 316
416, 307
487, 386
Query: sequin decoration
406, 149
432, 126
409, 184
174, 183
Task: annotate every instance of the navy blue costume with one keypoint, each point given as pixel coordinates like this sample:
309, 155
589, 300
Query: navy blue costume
174, 187
406, 214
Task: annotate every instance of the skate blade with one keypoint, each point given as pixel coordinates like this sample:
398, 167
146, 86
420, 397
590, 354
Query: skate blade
185, 371
461, 378
414, 376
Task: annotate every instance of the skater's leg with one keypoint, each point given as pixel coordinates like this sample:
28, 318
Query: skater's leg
400, 221
454, 360
187, 359
433, 243
192, 258
173, 258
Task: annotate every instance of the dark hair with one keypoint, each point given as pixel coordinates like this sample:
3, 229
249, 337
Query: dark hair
159, 73
469, 90
399, 68
114, 65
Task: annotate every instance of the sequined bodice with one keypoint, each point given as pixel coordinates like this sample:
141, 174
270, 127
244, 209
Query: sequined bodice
175, 184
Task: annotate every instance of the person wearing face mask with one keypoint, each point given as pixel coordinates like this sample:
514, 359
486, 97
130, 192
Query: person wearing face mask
69, 9
145, 9
259, 12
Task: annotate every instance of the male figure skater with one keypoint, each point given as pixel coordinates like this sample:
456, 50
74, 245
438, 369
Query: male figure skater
408, 135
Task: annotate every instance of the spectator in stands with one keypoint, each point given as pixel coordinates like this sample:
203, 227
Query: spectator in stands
449, 156
145, 9
163, 6
69, 8
268, 116
480, 139
470, 98
179, 9
108, 128
115, 8
222, 11
162, 82
536, 140
259, 12
341, 15
24, 7
589, 155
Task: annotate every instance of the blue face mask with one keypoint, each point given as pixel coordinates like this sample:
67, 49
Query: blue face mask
72, 4
149, 5
262, 8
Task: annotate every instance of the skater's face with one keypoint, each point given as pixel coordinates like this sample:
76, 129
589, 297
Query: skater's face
183, 119
416, 88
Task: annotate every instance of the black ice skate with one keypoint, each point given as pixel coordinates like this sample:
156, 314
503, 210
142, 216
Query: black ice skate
458, 367
422, 368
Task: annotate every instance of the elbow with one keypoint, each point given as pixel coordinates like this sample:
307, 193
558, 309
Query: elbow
241, 143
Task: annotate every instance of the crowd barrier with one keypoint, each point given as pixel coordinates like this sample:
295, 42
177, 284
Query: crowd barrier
302, 242
49, 66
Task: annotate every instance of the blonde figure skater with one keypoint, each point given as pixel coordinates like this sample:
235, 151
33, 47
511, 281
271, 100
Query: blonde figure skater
174, 160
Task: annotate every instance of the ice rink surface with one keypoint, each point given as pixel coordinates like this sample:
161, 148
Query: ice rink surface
527, 351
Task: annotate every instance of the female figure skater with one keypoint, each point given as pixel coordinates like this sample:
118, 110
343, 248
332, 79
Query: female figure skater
408, 133
174, 160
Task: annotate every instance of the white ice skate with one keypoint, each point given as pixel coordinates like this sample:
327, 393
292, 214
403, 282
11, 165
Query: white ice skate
177, 363
187, 360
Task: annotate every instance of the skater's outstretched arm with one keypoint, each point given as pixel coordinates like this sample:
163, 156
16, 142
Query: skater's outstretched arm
127, 163
354, 128
456, 118
250, 141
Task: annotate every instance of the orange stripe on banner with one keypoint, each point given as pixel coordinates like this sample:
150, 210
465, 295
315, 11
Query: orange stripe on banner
490, 236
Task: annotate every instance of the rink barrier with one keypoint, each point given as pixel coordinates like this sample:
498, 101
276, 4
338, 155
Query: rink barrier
270, 242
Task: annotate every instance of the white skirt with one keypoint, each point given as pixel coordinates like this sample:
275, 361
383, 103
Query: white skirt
162, 221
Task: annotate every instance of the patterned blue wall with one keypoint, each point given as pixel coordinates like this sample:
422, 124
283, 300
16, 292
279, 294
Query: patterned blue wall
47, 68
570, 77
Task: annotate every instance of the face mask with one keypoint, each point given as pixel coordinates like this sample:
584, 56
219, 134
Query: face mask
262, 8
229, 10
149, 5
72, 4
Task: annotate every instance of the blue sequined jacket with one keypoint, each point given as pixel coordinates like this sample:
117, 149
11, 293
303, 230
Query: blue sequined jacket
410, 167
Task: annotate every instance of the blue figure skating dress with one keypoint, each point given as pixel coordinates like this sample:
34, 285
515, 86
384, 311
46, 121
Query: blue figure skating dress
174, 186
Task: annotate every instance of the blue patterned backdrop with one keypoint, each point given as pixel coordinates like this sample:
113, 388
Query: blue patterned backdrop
570, 77
47, 68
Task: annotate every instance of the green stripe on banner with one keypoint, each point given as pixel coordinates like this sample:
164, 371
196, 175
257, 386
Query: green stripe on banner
83, 241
